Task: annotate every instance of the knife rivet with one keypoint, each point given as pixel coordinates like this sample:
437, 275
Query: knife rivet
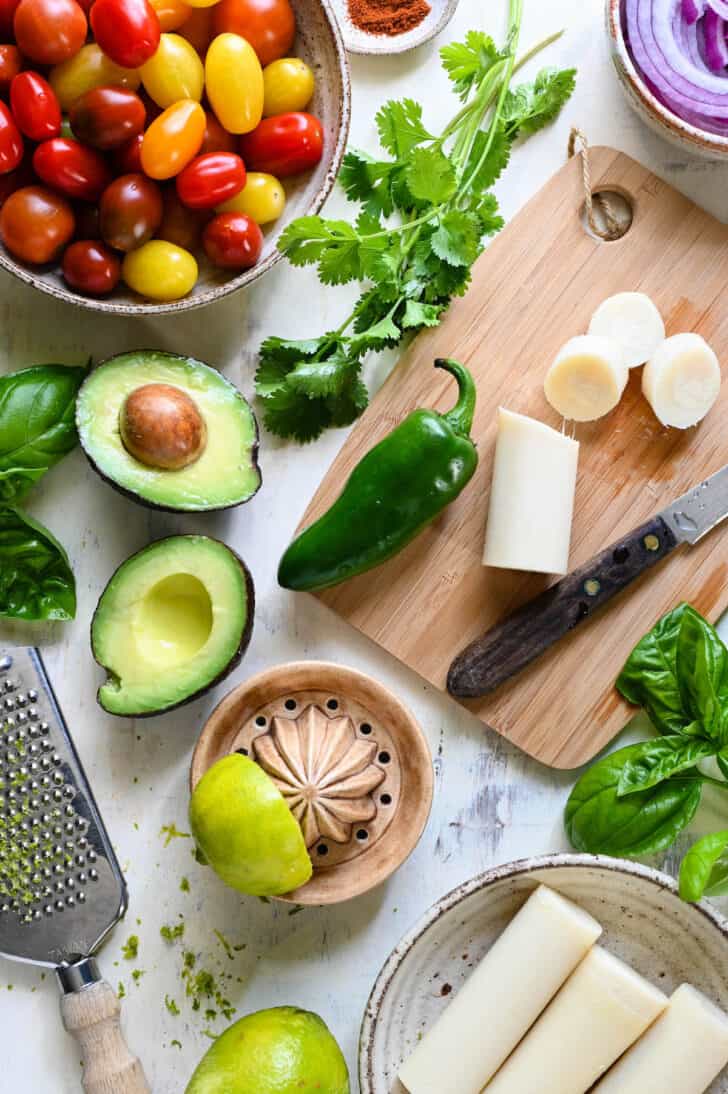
651, 542
591, 587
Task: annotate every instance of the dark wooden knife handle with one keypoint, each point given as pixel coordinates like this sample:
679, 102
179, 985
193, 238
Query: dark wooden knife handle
513, 644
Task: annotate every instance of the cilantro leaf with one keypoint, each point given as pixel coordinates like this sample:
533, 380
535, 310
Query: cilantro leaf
457, 238
466, 63
430, 176
278, 357
400, 127
349, 405
494, 163
529, 107
286, 413
417, 314
369, 181
383, 333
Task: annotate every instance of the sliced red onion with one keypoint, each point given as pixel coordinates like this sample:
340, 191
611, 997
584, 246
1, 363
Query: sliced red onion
692, 10
720, 7
716, 47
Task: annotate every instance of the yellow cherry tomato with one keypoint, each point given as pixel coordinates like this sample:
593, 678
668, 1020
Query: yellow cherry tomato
262, 198
174, 72
160, 270
287, 85
171, 13
202, 3
173, 139
234, 83
87, 69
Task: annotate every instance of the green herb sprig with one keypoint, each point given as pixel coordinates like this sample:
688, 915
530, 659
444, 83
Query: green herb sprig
426, 212
636, 801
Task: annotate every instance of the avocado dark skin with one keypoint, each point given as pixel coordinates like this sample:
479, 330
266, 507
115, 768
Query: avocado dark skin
234, 660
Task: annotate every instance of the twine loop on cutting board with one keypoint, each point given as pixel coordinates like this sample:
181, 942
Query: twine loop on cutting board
613, 229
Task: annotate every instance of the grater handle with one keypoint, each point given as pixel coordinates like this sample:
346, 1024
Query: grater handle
91, 1012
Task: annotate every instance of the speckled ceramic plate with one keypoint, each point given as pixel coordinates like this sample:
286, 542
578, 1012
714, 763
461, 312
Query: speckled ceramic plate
360, 41
644, 921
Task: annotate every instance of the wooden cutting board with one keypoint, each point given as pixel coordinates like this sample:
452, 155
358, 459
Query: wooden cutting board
537, 285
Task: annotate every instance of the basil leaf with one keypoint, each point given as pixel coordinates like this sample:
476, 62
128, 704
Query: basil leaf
36, 580
654, 761
597, 820
704, 870
702, 672
649, 678
37, 426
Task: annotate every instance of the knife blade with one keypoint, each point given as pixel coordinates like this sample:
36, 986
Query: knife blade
512, 645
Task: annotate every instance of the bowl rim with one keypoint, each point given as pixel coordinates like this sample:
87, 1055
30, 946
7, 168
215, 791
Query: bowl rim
680, 129
483, 881
390, 46
35, 278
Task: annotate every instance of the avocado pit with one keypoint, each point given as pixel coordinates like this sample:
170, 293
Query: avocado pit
162, 427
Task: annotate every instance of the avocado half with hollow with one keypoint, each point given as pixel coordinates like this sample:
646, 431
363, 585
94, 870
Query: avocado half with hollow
174, 619
169, 432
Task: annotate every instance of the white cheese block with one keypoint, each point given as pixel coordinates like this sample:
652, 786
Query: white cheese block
503, 997
681, 381
681, 1053
601, 1010
587, 378
531, 496
632, 320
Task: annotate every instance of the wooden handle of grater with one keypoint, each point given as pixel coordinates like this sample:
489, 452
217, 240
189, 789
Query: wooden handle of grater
92, 1015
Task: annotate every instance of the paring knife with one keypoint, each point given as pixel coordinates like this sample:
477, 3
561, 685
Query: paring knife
510, 646
61, 888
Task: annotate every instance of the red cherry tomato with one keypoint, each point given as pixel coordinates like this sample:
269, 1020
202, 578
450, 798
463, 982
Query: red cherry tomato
35, 224
181, 225
11, 62
211, 179
284, 144
7, 14
49, 31
127, 30
269, 25
232, 240
91, 267
72, 168
106, 117
11, 142
131, 212
35, 106
216, 139
128, 158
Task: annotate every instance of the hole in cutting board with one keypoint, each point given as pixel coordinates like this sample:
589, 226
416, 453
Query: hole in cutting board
621, 207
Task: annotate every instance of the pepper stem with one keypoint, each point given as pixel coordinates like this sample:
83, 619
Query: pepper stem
460, 418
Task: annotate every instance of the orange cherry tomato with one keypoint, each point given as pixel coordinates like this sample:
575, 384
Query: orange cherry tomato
11, 62
269, 25
173, 139
35, 106
171, 13
11, 142
197, 29
217, 139
36, 224
49, 31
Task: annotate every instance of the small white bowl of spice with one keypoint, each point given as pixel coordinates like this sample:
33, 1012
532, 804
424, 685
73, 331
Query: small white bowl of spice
391, 26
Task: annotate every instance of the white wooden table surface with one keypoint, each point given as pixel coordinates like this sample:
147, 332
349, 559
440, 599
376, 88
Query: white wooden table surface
492, 804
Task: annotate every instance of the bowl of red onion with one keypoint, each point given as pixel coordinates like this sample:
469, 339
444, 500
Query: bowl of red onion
671, 58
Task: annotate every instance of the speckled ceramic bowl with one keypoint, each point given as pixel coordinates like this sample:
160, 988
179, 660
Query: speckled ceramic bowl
659, 118
644, 921
318, 42
361, 41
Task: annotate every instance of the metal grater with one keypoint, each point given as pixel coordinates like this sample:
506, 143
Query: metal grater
61, 887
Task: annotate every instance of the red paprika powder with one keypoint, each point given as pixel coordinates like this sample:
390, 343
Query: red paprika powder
387, 16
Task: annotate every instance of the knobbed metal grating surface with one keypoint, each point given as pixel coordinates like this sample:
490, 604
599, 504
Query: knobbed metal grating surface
61, 889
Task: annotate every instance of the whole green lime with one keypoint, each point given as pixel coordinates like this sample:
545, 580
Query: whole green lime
245, 830
279, 1051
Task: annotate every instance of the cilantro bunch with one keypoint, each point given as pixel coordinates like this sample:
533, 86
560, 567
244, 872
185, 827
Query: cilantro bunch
426, 212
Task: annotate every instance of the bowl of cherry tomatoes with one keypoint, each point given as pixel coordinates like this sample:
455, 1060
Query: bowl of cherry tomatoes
152, 151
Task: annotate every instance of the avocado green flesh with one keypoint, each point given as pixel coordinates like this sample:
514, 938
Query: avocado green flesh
169, 622
225, 474
283, 1050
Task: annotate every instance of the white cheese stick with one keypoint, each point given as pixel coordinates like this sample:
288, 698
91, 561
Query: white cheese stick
504, 996
681, 381
531, 497
601, 1010
587, 378
680, 1054
632, 320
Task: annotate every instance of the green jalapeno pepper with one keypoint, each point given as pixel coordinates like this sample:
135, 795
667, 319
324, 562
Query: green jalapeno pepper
396, 490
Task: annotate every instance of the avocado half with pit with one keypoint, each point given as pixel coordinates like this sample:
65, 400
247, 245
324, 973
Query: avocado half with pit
169, 432
174, 619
